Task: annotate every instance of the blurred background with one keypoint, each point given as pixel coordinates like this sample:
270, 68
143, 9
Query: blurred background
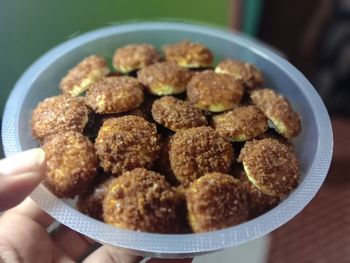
313, 35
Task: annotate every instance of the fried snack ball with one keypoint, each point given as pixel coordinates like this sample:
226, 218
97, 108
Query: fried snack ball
143, 200
125, 143
71, 163
214, 92
250, 77
271, 166
258, 202
115, 95
196, 151
134, 56
240, 124
164, 78
88, 71
176, 114
216, 201
188, 54
90, 202
279, 111
58, 114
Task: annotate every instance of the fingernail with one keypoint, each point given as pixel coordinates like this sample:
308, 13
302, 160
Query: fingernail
27, 161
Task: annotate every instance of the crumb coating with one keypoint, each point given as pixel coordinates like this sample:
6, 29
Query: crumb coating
142, 200
196, 151
164, 78
246, 73
214, 92
216, 201
134, 56
240, 124
79, 78
188, 54
126, 143
271, 166
58, 114
71, 163
176, 114
278, 109
115, 95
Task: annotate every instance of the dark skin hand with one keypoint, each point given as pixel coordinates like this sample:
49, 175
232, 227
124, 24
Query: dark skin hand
23, 234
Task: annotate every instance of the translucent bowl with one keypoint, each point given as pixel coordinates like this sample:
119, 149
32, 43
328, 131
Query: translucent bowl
314, 145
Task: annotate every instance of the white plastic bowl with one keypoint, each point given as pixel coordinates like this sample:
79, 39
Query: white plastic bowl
314, 146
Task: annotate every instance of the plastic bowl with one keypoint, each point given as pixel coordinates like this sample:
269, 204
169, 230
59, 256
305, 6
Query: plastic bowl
314, 145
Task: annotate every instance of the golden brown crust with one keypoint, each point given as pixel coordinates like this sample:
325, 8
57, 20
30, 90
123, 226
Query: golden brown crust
71, 163
258, 202
214, 92
240, 124
272, 134
176, 114
279, 111
115, 95
196, 151
90, 202
79, 78
270, 166
216, 201
188, 54
126, 143
164, 78
142, 200
58, 114
246, 73
134, 56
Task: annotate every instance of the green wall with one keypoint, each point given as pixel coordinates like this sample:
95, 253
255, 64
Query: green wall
29, 28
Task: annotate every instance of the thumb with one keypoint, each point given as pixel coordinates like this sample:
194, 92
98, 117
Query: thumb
19, 175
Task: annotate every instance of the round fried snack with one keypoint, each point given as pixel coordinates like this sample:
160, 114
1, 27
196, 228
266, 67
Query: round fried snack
125, 143
88, 71
250, 77
196, 151
271, 166
90, 202
176, 114
135, 56
142, 200
279, 111
258, 202
272, 134
216, 201
188, 54
71, 163
214, 92
59, 114
240, 124
115, 95
164, 78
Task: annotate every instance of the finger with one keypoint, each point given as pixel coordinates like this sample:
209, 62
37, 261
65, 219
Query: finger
71, 243
109, 254
31, 210
19, 175
23, 162
179, 260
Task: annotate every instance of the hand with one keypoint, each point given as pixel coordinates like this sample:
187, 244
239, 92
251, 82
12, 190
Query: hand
23, 234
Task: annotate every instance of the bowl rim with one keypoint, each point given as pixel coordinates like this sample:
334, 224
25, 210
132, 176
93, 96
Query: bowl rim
170, 245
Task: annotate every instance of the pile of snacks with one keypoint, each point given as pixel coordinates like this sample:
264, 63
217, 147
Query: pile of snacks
168, 144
